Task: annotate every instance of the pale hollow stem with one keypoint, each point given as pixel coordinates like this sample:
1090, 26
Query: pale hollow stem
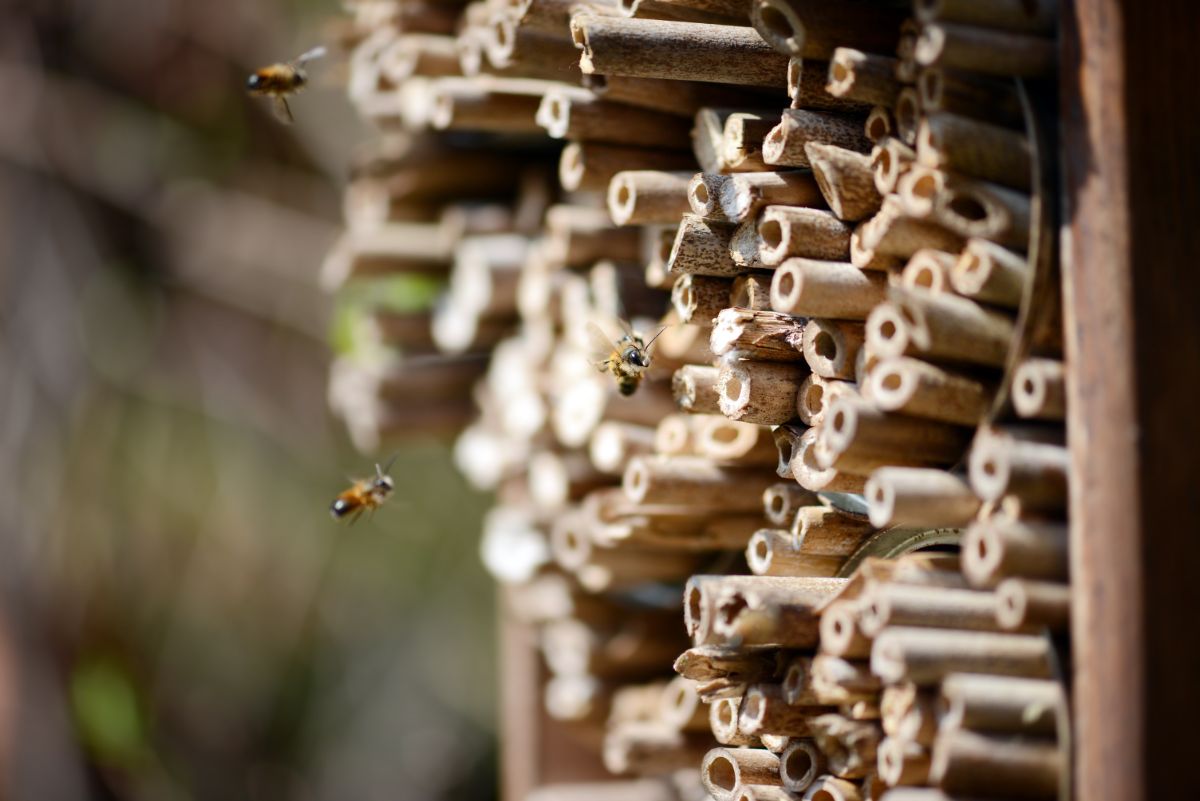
734, 443
704, 195
907, 113
813, 29
967, 763
772, 552
590, 166
760, 392
701, 247
648, 747
518, 52
841, 635
812, 288
991, 100
989, 273
680, 707
1002, 704
970, 147
807, 87
890, 159
862, 438
495, 105
698, 299
1024, 604
998, 549
691, 480
743, 194
903, 762
985, 50
910, 713
781, 501
924, 656
613, 443
918, 388
786, 231
866, 77
1039, 389
565, 115
841, 681
817, 395
812, 476
765, 711
928, 269
640, 197
772, 610
880, 124
724, 769
895, 232
713, 126
800, 764
889, 604
849, 745
917, 496
695, 389
1031, 465
784, 144
821, 531
846, 180
831, 347
939, 327
723, 722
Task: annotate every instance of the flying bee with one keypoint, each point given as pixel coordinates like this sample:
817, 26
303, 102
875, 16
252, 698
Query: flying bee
627, 359
364, 494
280, 80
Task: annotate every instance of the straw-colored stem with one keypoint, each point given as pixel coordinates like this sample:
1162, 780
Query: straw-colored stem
784, 145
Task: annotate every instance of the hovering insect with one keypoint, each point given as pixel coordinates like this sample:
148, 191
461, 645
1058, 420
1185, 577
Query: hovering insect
364, 494
627, 359
280, 80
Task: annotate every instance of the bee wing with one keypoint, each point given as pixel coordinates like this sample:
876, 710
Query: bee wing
282, 111
602, 345
310, 55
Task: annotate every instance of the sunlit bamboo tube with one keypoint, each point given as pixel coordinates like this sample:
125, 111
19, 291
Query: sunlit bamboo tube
764, 711
840, 681
917, 496
879, 125
785, 231
1026, 464
969, 763
613, 443
985, 50
991, 99
773, 552
865, 77
938, 327
759, 392
784, 145
514, 50
1002, 704
819, 530
675, 435
752, 290
487, 104
846, 180
910, 713
701, 247
995, 549
724, 769
606, 569
806, 86
723, 722
923, 656
890, 604
797, 682
959, 144
573, 648
832, 788
863, 438
907, 114
676, 51
698, 299
830, 347
928, 269
810, 475
648, 748
565, 115
680, 707
1039, 389
555, 479
691, 481
695, 389
743, 250
770, 610
743, 194
639, 197
838, 290
841, 634
420, 54
849, 745
903, 762
592, 165
895, 232
891, 158
812, 29
682, 98
707, 662
578, 236
918, 388
760, 335
985, 211
733, 443
987, 272
781, 502
1024, 604
704, 195
742, 141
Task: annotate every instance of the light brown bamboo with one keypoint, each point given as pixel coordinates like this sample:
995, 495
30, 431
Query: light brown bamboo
745, 193
797, 682
812, 29
498, 105
772, 552
648, 748
813, 288
709, 133
1002, 704
971, 95
806, 86
759, 335
810, 475
724, 769
1039, 389
742, 141
996, 549
640, 197
903, 762
895, 232
1022, 604
675, 435
764, 711
907, 113
831, 346
759, 392
784, 145
555, 479
733, 443
985, 50
991, 274
970, 763
514, 50
698, 299
695, 389
862, 438
983, 210
879, 124
1038, 16
891, 604
891, 158
781, 501
938, 327
578, 236
591, 166
910, 713
683, 98
924, 656
753, 290
840, 681
420, 54
822, 531
849, 745
917, 388
701, 247
704, 195
690, 481
785, 231
787, 438
831, 788
1032, 465
613, 443
917, 496
698, 608
743, 247
723, 721
566, 115
680, 707
771, 610
817, 395
800, 764
928, 269
846, 180
959, 144
841, 634
865, 77
676, 51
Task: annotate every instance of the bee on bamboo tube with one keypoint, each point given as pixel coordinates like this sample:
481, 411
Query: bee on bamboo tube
627, 359
277, 81
366, 494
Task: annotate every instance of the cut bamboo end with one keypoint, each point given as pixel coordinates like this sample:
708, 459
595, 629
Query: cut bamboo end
891, 158
725, 769
800, 764
962, 145
907, 113
743, 194
640, 197
914, 496
831, 347
996, 549
822, 531
753, 290
723, 721
838, 290
1023, 604
759, 335
928, 269
840, 632
920, 389
1001, 704
1028, 467
849, 745
1039, 389
733, 443
832, 788
680, 707
701, 247
985, 50
591, 166
764, 711
879, 125
781, 501
613, 443
785, 231
771, 552
868, 78
785, 144
772, 610
699, 299
890, 604
938, 327
846, 180
810, 475
903, 762
704, 195
759, 392
925, 656
674, 436
565, 114
862, 438
817, 395
695, 389
683, 480
988, 273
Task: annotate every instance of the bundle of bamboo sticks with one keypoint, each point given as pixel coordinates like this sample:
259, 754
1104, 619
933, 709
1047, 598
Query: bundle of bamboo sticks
837, 287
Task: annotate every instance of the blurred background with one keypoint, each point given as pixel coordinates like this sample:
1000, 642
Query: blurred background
179, 616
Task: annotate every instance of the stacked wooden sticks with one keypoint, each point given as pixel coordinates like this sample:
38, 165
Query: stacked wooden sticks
847, 278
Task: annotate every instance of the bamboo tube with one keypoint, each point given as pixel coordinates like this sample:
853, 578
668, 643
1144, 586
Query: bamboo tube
826, 289
985, 50
831, 788
967, 762
723, 721
742, 141
731, 443
845, 179
813, 29
1040, 16
916, 496
551, 16
634, 651
806, 86
676, 51
800, 764
497, 105
920, 389
1001, 704
831, 346
752, 290
648, 748
1022, 604
865, 77
759, 335
971, 95
565, 115
995, 549
823, 531
797, 682
636, 702
903, 762
849, 745
907, 114
839, 681
812, 476
879, 124
577, 236
841, 635
1005, 463
786, 438
698, 607
717, 12
592, 165
985, 211
959, 144
613, 443
707, 662
765, 712
938, 327
682, 98
785, 231
724, 769
701, 247
691, 481
555, 479
924, 656
784, 145
680, 707
773, 552
675, 436
704, 195
640, 197
743, 194
895, 232
710, 128
420, 54
604, 569
769, 610
1039, 389
863, 438
759, 392
579, 699
891, 158
910, 713
928, 269
518, 51
695, 389
743, 250
890, 604
988, 273
781, 502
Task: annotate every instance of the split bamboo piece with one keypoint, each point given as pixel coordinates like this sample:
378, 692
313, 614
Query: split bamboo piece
814, 30
806, 86
917, 388
840, 681
996, 549
846, 180
1024, 604
639, 197
728, 140
759, 392
744, 250
865, 77
925, 656
743, 194
786, 231
676, 51
832, 289
784, 145
773, 552
695, 389
759, 335
831, 347
916, 496
1001, 704
1039, 389
969, 763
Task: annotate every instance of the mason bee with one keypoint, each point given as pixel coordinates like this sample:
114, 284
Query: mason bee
627, 359
280, 80
364, 494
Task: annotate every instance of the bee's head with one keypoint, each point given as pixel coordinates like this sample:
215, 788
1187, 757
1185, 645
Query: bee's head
254, 82
339, 508
636, 357
383, 485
